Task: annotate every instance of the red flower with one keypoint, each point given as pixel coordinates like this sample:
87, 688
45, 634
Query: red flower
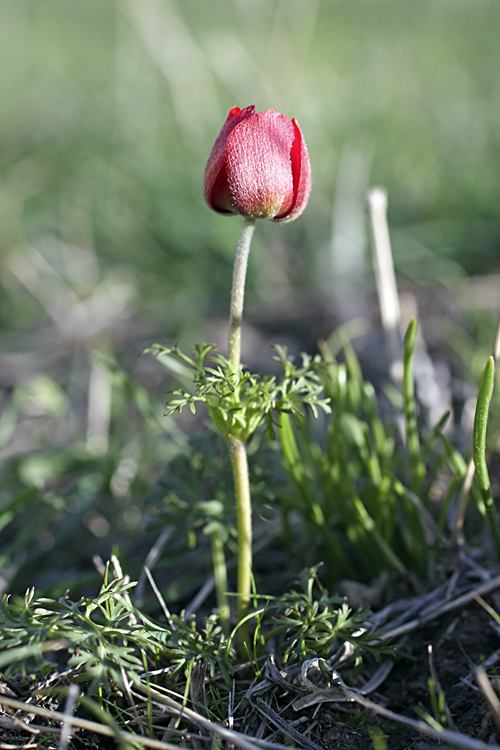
259, 166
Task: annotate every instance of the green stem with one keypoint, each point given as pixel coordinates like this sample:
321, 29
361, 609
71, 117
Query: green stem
220, 574
239, 464
238, 292
485, 393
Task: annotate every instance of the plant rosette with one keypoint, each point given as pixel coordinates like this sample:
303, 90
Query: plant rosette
239, 404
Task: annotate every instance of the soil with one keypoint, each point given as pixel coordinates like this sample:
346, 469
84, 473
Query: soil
459, 643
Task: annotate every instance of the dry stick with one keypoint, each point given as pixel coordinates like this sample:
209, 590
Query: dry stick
440, 609
17, 725
126, 683
342, 694
457, 536
455, 739
390, 311
86, 724
489, 694
67, 726
400, 361
93, 726
496, 343
285, 727
98, 407
160, 598
223, 733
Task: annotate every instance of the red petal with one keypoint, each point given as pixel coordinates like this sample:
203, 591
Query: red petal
259, 168
214, 181
301, 171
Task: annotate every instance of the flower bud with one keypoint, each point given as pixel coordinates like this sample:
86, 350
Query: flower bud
259, 167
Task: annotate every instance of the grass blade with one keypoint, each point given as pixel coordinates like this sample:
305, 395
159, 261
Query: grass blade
417, 467
479, 447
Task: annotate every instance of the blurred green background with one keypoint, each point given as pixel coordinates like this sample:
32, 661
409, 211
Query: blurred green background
108, 111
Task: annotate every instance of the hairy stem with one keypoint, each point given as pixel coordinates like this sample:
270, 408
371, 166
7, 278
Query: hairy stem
239, 464
238, 292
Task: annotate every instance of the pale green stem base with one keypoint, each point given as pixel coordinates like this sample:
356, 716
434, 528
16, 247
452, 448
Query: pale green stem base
238, 292
239, 464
